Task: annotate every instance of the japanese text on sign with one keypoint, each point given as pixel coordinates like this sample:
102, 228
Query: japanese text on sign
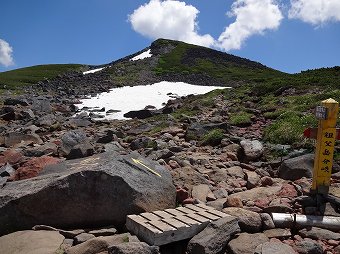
327, 150
321, 112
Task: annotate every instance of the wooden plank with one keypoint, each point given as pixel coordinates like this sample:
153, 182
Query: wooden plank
185, 219
163, 214
205, 207
197, 217
195, 208
210, 216
218, 213
175, 212
150, 216
161, 225
170, 225
186, 210
175, 223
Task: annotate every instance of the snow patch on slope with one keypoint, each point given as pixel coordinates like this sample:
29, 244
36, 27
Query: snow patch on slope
143, 55
93, 71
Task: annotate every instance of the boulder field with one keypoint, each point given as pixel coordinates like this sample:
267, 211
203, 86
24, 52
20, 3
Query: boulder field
68, 182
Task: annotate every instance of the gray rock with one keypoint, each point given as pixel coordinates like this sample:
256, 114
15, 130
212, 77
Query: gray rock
252, 179
141, 114
31, 242
218, 204
236, 172
15, 138
142, 142
249, 221
26, 114
267, 221
103, 232
276, 247
215, 237
133, 248
319, 233
246, 243
75, 144
257, 193
308, 247
99, 190
7, 170
201, 192
16, 101
296, 168
253, 149
83, 237
100, 244
41, 105
279, 233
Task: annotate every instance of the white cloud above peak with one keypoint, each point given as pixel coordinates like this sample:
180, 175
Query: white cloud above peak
171, 20
315, 12
6, 50
252, 17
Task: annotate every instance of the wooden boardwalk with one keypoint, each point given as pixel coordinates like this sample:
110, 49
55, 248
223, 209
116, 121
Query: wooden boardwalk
171, 225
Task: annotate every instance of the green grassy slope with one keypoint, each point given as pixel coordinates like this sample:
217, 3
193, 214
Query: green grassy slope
191, 59
27, 76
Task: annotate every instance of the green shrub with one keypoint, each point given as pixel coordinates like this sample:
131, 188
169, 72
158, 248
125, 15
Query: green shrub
240, 119
213, 137
288, 129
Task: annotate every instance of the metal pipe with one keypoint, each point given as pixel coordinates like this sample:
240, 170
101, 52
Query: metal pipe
283, 220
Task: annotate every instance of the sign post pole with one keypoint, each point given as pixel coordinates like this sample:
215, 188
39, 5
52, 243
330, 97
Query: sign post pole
327, 114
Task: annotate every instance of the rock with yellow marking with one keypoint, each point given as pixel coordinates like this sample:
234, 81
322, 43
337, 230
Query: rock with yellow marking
97, 190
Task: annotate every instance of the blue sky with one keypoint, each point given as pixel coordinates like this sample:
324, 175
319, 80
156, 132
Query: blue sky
288, 35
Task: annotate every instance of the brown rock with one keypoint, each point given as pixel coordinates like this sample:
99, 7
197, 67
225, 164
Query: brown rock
101, 243
11, 156
83, 237
32, 167
234, 202
266, 181
287, 191
246, 243
249, 221
173, 164
31, 242
201, 192
181, 195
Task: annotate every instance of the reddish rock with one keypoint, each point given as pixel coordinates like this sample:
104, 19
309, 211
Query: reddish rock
32, 167
232, 156
266, 181
173, 164
287, 191
234, 202
181, 195
305, 184
262, 203
247, 166
189, 201
11, 156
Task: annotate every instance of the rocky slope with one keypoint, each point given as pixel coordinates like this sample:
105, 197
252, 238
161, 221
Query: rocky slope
71, 172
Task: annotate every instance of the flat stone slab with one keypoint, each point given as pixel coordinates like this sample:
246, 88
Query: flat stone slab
171, 225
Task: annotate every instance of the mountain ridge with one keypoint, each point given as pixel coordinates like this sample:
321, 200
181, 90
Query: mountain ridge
171, 61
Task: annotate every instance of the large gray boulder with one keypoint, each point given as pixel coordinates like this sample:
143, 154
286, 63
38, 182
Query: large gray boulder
31, 242
215, 237
253, 149
99, 190
296, 168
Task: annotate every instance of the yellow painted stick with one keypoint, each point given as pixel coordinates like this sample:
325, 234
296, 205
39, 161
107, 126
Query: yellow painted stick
325, 147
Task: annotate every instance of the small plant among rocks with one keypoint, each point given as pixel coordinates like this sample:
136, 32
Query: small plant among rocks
213, 137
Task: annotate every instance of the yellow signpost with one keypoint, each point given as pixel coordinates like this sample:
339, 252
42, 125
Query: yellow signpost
327, 114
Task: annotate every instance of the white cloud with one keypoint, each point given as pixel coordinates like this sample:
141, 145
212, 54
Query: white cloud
252, 17
171, 20
6, 50
316, 12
